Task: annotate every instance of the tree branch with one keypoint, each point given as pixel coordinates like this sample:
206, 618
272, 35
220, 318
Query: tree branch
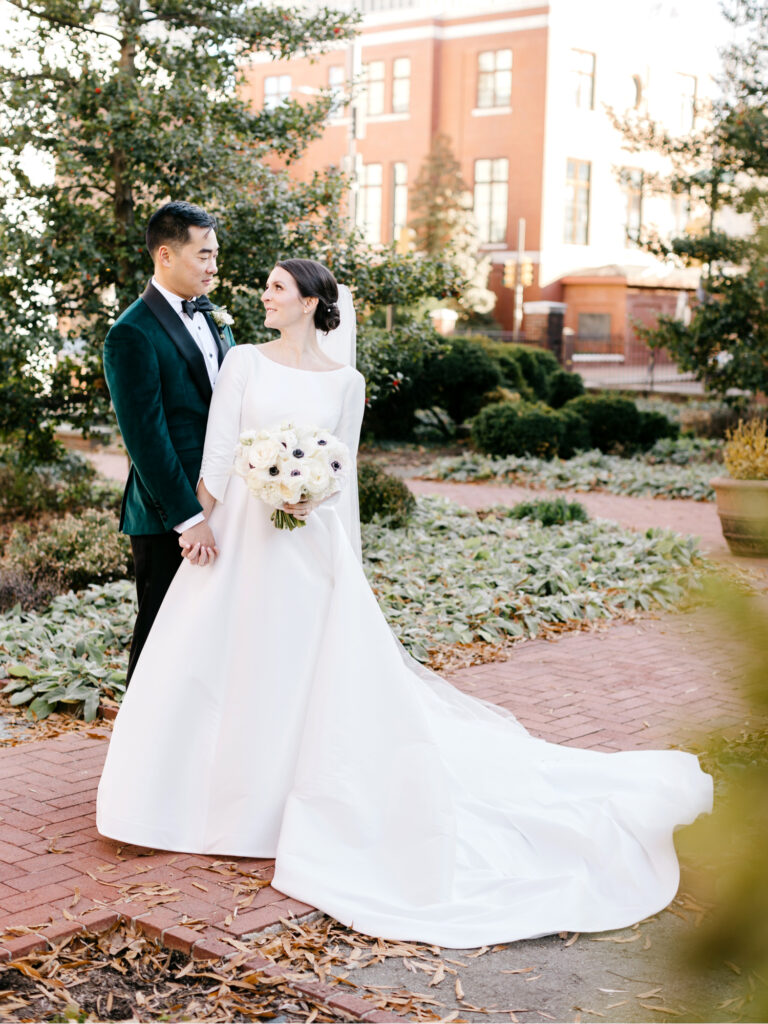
62, 22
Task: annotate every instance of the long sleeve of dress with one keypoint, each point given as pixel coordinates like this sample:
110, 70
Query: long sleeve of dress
348, 430
223, 429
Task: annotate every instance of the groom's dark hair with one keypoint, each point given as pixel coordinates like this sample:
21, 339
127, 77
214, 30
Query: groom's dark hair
171, 223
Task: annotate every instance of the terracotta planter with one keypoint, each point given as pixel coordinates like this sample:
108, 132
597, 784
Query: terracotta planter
743, 509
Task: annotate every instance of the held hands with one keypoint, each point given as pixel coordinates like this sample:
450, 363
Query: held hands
198, 545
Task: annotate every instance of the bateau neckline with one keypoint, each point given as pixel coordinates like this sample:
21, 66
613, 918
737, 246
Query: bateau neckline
296, 369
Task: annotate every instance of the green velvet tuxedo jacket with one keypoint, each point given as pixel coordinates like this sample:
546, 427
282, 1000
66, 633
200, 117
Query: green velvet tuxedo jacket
161, 393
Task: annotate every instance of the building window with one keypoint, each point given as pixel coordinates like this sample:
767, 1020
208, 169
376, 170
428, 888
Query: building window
368, 210
490, 206
277, 89
577, 182
494, 78
399, 198
374, 87
594, 327
686, 108
401, 85
631, 179
336, 86
583, 79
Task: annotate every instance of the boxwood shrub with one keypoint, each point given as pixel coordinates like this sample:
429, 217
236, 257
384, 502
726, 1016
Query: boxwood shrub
518, 428
384, 495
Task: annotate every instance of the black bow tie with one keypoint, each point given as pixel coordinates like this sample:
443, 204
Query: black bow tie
202, 304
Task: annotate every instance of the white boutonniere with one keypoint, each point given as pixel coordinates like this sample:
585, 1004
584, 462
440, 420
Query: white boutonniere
222, 318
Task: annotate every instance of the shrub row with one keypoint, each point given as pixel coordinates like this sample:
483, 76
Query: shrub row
464, 377
587, 421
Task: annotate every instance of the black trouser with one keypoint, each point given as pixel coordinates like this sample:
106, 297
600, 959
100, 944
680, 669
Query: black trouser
156, 557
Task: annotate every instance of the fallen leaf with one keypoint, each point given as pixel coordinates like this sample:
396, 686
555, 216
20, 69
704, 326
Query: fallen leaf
458, 989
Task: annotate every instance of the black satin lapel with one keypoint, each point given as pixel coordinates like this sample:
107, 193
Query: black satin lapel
171, 323
218, 336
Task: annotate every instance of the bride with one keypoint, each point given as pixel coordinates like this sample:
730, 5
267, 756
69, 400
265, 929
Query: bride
272, 712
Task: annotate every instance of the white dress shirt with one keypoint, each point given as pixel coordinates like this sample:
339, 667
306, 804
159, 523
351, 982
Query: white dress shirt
198, 327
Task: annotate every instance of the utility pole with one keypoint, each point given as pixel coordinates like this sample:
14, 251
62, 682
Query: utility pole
518, 321
356, 127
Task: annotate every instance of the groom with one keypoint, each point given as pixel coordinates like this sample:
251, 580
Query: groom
161, 359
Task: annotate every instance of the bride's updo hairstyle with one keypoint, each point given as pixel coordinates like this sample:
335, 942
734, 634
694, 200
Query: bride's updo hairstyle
316, 281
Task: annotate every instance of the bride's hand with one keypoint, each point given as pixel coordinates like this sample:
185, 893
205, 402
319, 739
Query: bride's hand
300, 509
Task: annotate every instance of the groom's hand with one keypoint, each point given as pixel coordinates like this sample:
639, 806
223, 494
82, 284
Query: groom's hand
198, 545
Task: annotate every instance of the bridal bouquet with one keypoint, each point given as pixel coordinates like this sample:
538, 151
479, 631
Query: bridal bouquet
291, 464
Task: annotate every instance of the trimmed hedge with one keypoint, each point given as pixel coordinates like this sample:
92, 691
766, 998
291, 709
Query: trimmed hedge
617, 422
383, 495
518, 428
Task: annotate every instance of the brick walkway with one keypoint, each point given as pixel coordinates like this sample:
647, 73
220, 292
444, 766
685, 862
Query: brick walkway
651, 683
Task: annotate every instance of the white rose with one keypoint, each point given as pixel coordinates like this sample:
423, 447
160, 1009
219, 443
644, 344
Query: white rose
263, 453
318, 477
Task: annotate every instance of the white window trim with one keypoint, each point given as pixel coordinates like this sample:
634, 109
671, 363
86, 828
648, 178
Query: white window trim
490, 111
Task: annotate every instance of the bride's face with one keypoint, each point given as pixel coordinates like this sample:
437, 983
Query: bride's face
283, 303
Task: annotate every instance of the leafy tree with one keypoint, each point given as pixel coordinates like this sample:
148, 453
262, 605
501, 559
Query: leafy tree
444, 225
722, 165
125, 105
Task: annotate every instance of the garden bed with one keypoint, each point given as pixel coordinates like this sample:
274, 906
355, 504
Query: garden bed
679, 469
456, 586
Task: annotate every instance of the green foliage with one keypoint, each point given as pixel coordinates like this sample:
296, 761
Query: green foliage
723, 163
590, 471
436, 198
383, 497
654, 426
457, 379
391, 362
65, 484
563, 386
518, 428
456, 577
550, 512
129, 105
612, 421
70, 656
71, 552
576, 433
523, 578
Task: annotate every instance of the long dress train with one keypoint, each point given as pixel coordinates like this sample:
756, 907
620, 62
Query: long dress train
273, 714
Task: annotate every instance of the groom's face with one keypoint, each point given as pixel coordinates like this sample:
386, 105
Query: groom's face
189, 269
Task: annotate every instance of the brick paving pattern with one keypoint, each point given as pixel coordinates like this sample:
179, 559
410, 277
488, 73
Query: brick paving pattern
648, 683
651, 683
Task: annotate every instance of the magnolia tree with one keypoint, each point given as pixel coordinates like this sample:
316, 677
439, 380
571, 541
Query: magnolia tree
112, 107
722, 166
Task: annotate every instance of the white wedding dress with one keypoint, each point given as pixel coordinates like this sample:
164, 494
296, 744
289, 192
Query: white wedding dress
273, 714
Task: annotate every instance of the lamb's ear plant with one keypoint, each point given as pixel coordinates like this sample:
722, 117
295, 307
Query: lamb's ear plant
746, 450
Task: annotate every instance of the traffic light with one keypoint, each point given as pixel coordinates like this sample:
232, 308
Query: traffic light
508, 278
526, 273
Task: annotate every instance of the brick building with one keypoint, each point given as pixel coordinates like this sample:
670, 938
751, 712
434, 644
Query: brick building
521, 89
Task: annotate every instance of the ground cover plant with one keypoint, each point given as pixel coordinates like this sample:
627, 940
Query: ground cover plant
452, 577
671, 469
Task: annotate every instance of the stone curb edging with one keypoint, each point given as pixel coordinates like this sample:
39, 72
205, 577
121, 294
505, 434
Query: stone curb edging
185, 940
